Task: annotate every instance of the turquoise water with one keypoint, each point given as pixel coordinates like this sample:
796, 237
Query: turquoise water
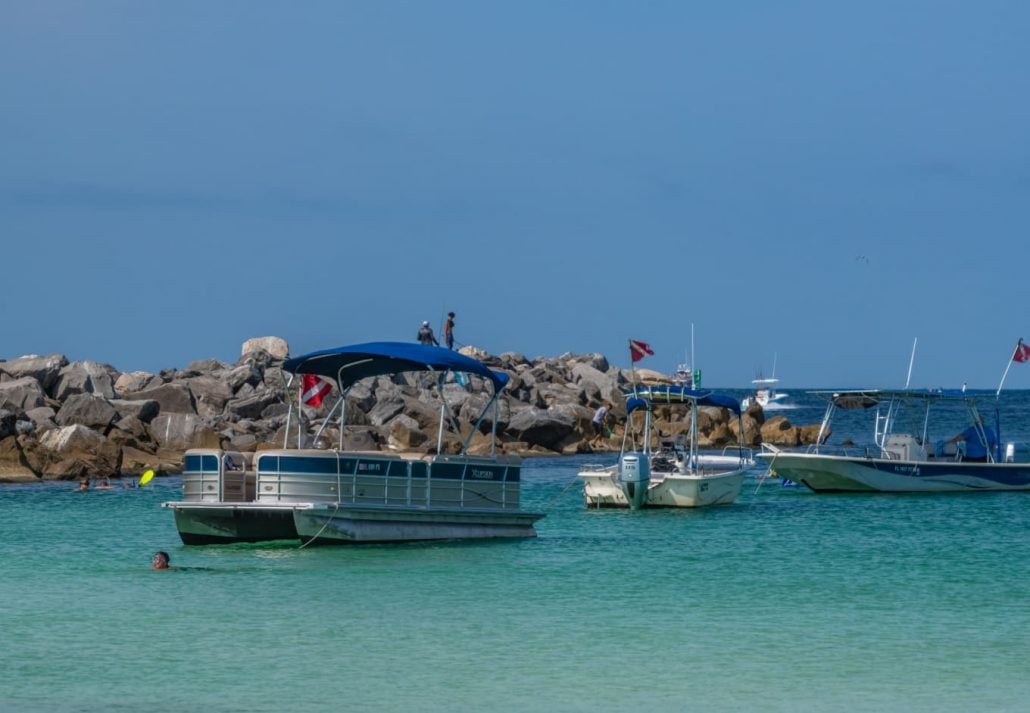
786, 601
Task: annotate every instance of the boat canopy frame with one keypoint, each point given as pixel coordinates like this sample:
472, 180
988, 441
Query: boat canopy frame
647, 397
347, 365
884, 424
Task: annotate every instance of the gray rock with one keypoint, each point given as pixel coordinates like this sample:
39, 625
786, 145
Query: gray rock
43, 417
21, 394
585, 373
245, 442
274, 379
361, 395
273, 410
405, 434
8, 423
547, 428
385, 410
202, 367
75, 451
44, 369
252, 406
243, 374
210, 395
87, 410
145, 410
246, 391
177, 431
132, 426
173, 398
361, 438
13, 466
277, 347
134, 381
85, 377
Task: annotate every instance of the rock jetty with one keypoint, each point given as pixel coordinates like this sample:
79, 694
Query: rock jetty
62, 420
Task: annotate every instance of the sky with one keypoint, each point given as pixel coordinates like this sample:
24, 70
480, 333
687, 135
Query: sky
816, 183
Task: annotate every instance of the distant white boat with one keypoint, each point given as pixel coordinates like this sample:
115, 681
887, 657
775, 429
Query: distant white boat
766, 394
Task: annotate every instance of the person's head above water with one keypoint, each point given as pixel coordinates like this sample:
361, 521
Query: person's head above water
160, 560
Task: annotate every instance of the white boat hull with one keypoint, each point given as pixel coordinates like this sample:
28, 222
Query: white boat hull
828, 474
601, 488
327, 524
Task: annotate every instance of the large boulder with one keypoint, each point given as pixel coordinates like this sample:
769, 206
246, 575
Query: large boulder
808, 435
133, 381
276, 347
87, 410
752, 430
405, 434
13, 466
85, 377
172, 398
77, 451
547, 428
251, 406
136, 462
202, 367
179, 431
361, 438
43, 417
210, 394
44, 369
386, 409
8, 423
21, 394
145, 410
243, 374
778, 431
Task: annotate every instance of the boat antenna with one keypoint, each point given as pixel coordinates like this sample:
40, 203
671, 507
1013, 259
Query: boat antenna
693, 363
911, 361
774, 366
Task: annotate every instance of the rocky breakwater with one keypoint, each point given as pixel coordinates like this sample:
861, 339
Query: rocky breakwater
66, 420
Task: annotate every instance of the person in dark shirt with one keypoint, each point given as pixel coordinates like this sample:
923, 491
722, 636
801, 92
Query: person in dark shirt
976, 449
448, 331
426, 336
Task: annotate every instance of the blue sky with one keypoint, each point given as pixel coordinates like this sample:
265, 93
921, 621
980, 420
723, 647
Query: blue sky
822, 181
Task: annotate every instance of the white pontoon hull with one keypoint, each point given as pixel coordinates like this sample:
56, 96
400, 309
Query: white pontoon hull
326, 524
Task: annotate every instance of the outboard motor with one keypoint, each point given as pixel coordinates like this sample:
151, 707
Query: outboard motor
634, 475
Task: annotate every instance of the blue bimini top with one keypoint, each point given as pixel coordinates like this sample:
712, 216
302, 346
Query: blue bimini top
350, 364
676, 394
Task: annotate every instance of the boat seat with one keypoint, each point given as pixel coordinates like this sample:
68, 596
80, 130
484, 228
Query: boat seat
904, 446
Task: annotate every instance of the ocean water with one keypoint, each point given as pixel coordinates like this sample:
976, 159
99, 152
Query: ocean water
785, 601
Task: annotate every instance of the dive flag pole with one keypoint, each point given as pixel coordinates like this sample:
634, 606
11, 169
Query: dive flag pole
632, 366
1021, 353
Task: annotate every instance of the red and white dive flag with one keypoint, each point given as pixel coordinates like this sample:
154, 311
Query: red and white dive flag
1022, 352
638, 350
315, 388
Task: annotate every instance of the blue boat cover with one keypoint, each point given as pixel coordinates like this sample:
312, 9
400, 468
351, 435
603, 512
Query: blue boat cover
679, 394
353, 363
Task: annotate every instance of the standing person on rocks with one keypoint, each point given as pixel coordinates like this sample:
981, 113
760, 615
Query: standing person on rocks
426, 336
448, 331
599, 422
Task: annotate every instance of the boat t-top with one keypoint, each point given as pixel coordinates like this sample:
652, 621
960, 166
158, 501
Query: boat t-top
906, 455
664, 472
335, 495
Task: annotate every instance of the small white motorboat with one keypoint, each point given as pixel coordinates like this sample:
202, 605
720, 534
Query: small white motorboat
673, 474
